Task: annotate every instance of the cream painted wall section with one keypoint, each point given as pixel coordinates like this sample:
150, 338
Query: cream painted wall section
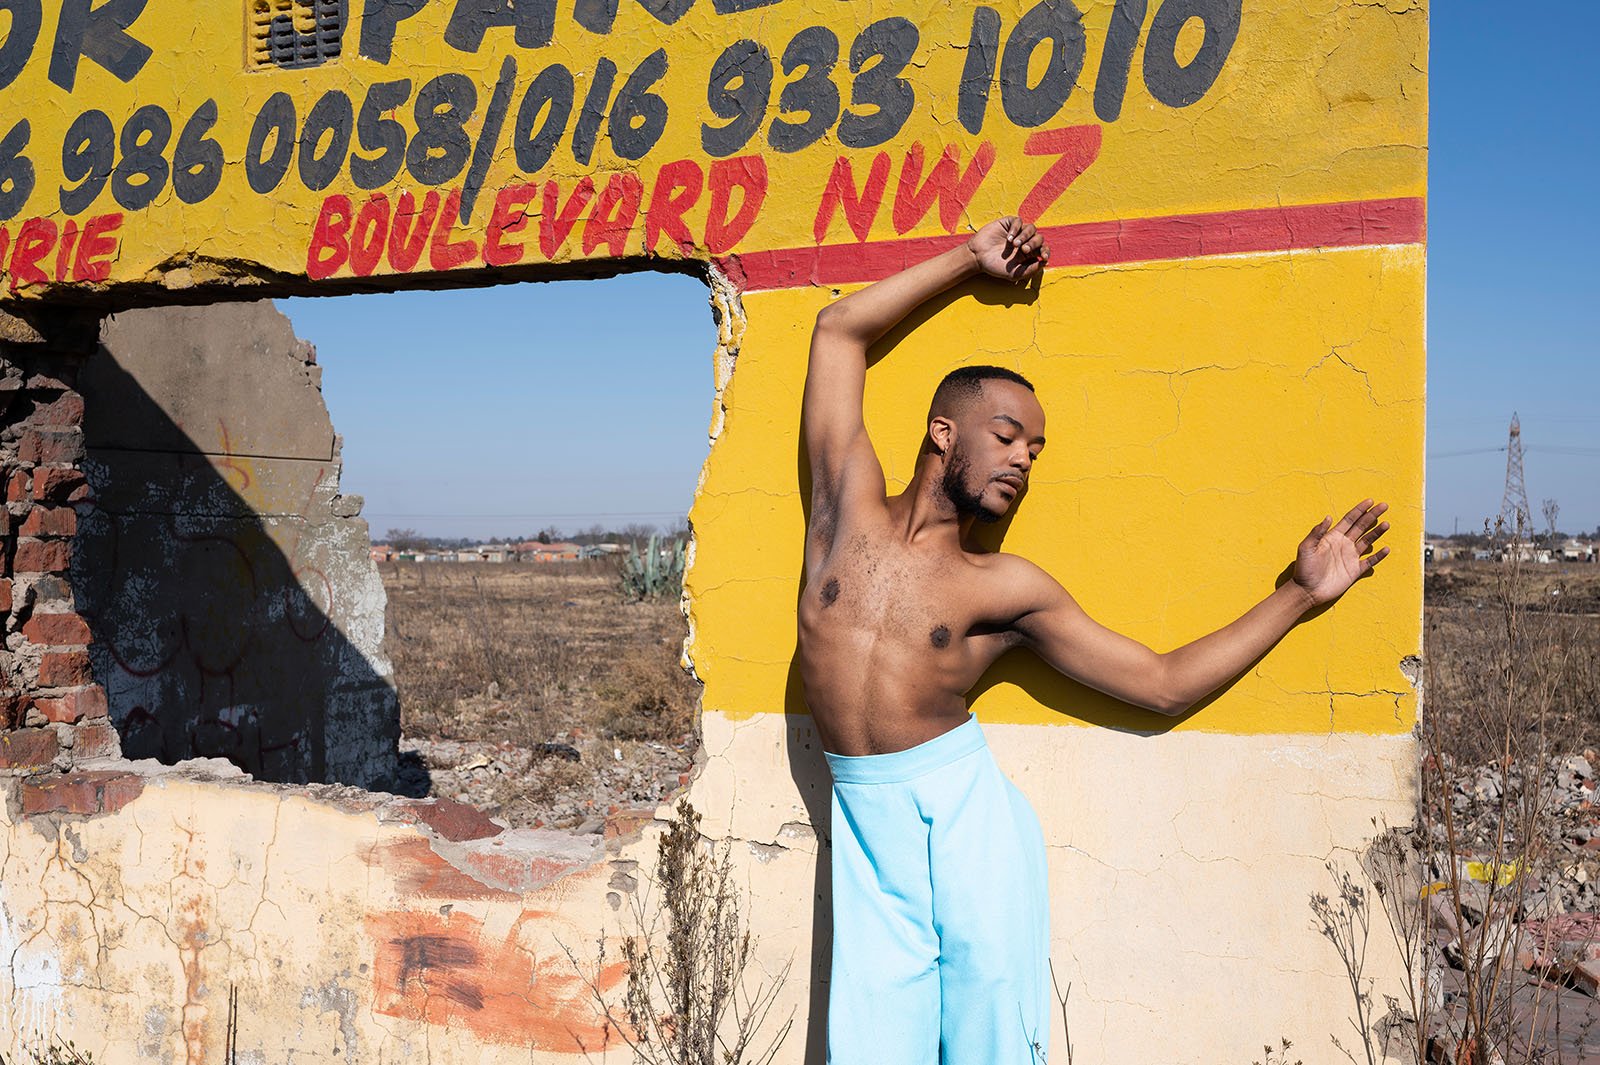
324, 927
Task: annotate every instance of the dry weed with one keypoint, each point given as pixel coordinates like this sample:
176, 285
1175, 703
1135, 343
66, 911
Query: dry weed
686, 1001
1509, 683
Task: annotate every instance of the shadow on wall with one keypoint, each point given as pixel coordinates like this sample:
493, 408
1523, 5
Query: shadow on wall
235, 608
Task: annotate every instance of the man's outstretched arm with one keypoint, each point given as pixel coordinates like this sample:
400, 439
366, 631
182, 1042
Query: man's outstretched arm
835, 434
1328, 561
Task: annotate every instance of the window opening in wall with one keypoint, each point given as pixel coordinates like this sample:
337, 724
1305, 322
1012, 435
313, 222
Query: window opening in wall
529, 448
509, 469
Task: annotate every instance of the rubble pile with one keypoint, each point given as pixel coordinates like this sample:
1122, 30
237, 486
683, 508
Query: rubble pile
1537, 918
573, 781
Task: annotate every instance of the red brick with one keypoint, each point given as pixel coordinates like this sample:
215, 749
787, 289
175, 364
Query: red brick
64, 669
49, 447
627, 824
50, 594
59, 484
1586, 975
44, 380
5, 595
28, 748
100, 791
96, 741
57, 630
17, 486
50, 521
453, 820
77, 705
37, 556
66, 411
14, 708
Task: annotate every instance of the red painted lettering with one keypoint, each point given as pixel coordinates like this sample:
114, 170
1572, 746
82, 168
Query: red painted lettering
370, 234
1076, 146
510, 215
69, 237
330, 238
555, 226
678, 187
408, 234
34, 241
748, 174
860, 207
97, 247
443, 253
951, 186
614, 214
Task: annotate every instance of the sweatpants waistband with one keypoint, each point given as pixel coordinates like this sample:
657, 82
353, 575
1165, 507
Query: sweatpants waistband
912, 762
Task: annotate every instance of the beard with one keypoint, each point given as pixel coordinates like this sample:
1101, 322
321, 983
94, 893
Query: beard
967, 501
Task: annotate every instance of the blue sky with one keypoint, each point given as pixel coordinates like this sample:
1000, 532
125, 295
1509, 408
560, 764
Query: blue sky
496, 412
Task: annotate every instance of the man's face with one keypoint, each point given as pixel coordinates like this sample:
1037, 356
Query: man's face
998, 436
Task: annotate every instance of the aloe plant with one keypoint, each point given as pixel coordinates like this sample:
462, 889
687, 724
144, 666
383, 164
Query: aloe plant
648, 575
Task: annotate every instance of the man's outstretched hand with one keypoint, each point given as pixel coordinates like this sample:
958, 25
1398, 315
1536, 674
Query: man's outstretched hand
1330, 560
1009, 248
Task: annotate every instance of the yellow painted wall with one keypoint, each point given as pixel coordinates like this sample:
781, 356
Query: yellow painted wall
1215, 380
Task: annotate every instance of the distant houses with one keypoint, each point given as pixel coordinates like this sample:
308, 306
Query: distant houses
527, 551
534, 551
1571, 550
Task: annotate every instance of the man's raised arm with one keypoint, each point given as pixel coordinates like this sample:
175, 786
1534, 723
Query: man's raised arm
1328, 561
842, 460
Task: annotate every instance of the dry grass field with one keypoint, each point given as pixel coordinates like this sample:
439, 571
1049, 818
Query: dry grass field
1491, 630
536, 691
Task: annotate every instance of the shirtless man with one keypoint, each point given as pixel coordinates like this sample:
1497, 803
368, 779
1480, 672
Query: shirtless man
940, 948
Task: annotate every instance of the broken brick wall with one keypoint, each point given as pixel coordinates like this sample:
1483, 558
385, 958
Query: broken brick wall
228, 584
52, 710
183, 572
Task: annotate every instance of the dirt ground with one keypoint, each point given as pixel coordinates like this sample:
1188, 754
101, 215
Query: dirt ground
1517, 640
534, 691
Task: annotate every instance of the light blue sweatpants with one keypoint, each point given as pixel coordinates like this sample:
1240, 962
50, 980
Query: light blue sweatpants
940, 910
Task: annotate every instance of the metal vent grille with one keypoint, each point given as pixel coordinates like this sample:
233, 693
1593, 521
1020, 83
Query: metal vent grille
287, 34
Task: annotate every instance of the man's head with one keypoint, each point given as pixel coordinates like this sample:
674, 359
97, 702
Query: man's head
985, 428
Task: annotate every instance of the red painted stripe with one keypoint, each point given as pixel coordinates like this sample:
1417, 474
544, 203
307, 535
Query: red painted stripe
1183, 236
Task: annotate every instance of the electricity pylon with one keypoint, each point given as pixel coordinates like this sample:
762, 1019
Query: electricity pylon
1516, 518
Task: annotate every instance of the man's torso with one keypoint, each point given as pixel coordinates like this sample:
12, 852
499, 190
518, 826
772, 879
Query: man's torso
892, 635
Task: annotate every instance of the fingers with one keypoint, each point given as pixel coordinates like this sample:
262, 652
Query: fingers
1348, 522
1025, 249
1369, 539
1372, 560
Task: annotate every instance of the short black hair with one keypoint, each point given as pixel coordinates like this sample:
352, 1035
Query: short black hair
965, 383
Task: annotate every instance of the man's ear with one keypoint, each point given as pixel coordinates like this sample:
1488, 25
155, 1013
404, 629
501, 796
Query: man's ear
941, 433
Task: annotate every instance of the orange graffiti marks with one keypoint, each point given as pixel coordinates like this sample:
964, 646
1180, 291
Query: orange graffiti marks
442, 970
418, 871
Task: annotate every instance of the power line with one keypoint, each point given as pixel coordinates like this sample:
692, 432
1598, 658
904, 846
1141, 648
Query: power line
1544, 449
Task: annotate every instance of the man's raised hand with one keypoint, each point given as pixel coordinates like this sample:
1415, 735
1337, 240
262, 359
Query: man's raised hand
1331, 559
1009, 248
